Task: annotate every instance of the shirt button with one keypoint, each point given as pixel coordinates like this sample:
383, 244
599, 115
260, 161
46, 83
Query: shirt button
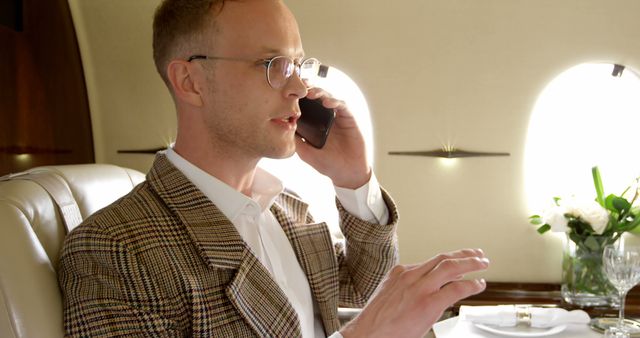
250, 209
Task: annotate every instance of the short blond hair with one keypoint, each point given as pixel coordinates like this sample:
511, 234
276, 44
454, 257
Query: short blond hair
177, 25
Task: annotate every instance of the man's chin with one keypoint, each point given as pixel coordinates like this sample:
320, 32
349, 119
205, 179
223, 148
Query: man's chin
282, 152
283, 155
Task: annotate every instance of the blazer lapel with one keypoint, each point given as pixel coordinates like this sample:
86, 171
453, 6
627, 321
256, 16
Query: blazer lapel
314, 250
252, 291
261, 302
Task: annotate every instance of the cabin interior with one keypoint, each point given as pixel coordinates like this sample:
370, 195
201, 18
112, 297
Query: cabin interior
78, 85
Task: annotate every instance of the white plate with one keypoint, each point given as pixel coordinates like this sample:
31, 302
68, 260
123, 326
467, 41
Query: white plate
519, 331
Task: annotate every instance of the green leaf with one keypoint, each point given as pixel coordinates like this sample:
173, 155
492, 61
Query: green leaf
535, 220
633, 226
628, 227
544, 228
608, 203
620, 204
636, 230
597, 182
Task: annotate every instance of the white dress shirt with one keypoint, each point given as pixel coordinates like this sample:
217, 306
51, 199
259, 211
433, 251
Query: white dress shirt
263, 234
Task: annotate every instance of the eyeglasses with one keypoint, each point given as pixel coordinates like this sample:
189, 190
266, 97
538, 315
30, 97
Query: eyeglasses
279, 68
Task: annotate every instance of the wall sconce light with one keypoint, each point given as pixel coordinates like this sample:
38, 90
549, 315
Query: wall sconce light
141, 151
31, 150
448, 152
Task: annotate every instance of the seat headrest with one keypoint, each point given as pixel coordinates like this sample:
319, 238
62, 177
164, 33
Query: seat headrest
31, 236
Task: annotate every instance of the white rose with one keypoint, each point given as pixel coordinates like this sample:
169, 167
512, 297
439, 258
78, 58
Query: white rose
591, 212
555, 218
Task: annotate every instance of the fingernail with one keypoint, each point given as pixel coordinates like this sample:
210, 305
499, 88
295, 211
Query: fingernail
485, 260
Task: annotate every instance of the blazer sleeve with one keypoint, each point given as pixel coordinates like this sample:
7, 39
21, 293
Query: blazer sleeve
369, 252
106, 291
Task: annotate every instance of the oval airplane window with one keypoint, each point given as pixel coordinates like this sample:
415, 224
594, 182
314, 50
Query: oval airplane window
587, 116
314, 188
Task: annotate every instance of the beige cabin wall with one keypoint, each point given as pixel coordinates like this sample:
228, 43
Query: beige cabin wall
130, 105
462, 72
465, 73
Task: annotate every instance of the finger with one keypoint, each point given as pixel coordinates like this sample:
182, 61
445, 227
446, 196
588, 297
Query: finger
328, 101
419, 270
450, 270
316, 92
456, 291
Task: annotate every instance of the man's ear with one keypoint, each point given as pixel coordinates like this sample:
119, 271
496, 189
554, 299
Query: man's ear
182, 76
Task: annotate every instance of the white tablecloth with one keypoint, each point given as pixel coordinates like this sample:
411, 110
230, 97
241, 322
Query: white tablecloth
452, 328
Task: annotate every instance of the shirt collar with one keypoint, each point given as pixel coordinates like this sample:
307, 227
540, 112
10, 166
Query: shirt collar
229, 201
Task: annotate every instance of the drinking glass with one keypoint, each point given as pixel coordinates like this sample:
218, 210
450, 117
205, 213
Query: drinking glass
622, 266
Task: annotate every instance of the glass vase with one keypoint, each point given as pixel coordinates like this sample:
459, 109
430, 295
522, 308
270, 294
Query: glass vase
584, 282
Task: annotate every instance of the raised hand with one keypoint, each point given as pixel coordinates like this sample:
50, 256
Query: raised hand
343, 158
414, 297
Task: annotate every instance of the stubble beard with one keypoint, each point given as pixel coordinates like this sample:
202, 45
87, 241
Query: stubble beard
234, 135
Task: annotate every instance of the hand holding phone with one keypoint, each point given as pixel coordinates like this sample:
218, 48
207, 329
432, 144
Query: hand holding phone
315, 122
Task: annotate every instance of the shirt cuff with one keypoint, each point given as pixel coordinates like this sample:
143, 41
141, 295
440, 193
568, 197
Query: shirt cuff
336, 334
365, 202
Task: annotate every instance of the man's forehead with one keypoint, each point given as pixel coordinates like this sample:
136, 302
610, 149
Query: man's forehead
264, 27
297, 53
253, 9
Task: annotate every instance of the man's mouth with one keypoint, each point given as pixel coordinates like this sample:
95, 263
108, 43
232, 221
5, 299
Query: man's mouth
288, 121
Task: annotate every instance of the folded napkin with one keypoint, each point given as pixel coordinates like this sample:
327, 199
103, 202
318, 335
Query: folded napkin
512, 315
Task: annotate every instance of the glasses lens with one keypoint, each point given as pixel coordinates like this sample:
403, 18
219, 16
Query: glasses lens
309, 70
280, 69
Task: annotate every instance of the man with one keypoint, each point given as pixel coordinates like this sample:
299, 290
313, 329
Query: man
212, 246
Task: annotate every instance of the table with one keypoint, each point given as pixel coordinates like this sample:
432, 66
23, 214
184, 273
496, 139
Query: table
451, 328
536, 294
542, 294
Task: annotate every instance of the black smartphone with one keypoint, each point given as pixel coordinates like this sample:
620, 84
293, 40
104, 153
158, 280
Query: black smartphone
315, 122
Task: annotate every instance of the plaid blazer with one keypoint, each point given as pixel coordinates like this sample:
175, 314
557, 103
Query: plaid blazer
163, 261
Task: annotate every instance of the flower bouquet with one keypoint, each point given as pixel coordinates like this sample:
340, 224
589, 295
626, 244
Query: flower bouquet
590, 225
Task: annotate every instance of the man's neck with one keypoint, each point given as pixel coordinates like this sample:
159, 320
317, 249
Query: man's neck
227, 167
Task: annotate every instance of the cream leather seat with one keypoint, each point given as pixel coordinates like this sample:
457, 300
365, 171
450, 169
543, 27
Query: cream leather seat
32, 229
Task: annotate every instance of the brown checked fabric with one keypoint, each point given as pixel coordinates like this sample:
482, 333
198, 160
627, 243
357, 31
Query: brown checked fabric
163, 261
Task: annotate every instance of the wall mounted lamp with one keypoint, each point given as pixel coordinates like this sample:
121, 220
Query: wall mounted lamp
448, 152
142, 151
22, 150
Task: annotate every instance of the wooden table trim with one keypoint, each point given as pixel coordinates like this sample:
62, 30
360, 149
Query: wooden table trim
542, 294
